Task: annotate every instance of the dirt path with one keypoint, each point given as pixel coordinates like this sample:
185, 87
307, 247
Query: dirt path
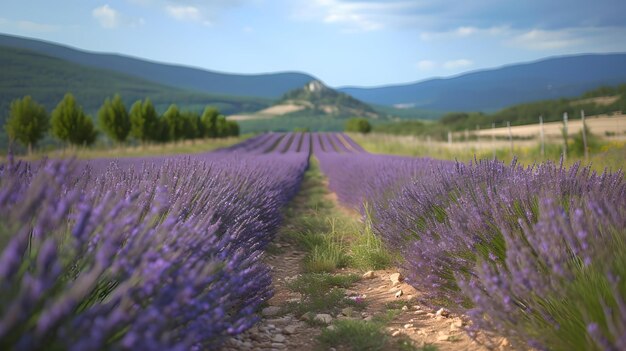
408, 325
276, 330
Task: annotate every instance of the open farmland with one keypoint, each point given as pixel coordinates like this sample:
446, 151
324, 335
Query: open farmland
613, 126
295, 241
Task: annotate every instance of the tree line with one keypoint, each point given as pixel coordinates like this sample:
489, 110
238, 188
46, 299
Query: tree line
29, 122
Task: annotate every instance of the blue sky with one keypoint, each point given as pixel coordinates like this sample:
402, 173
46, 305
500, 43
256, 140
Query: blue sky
342, 42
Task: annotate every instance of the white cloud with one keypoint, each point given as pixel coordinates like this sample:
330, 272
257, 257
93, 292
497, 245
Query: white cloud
107, 16
352, 16
537, 39
466, 31
456, 64
426, 65
186, 13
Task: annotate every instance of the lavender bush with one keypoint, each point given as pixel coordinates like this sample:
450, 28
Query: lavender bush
536, 254
147, 254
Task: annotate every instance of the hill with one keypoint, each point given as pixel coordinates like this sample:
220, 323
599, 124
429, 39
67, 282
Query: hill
315, 98
270, 86
314, 107
605, 100
47, 79
494, 89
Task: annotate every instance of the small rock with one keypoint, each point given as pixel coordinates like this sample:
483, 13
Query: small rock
456, 325
368, 318
398, 294
278, 338
442, 336
423, 332
504, 342
307, 316
348, 311
405, 308
442, 312
409, 297
396, 278
270, 311
330, 327
430, 315
324, 318
364, 314
417, 307
290, 329
408, 326
278, 345
396, 333
369, 275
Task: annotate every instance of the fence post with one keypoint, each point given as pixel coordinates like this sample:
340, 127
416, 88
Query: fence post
493, 138
477, 137
582, 116
541, 136
508, 125
565, 136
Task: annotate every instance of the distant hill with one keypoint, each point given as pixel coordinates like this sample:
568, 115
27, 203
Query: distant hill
47, 79
271, 86
315, 100
493, 89
314, 106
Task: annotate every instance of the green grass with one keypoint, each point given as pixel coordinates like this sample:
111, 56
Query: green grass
332, 239
606, 154
105, 151
368, 251
361, 335
323, 293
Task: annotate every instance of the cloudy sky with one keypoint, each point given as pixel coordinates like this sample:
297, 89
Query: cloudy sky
343, 42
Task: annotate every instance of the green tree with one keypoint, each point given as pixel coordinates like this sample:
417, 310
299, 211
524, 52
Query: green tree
175, 123
144, 121
221, 126
232, 128
70, 124
114, 119
209, 120
190, 124
27, 123
359, 125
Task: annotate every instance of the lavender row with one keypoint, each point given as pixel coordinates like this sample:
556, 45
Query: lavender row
154, 255
536, 254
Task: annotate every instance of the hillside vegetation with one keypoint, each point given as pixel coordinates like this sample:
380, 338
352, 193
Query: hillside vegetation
521, 114
47, 79
268, 86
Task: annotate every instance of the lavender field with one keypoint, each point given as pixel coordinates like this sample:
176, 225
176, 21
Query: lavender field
169, 253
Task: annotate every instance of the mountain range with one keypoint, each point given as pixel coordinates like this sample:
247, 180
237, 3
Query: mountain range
494, 89
61, 68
